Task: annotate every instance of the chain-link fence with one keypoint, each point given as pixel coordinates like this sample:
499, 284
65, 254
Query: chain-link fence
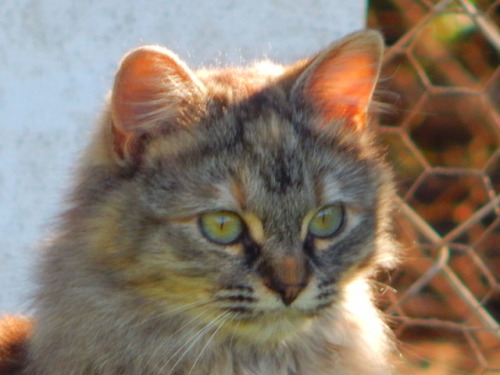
442, 75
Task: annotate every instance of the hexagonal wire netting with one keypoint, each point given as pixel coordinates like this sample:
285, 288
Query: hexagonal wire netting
442, 75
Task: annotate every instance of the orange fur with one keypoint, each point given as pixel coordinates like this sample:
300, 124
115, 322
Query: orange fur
14, 334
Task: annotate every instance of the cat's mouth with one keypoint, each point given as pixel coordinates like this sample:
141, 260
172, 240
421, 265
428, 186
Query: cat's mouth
268, 326
245, 303
247, 313
250, 320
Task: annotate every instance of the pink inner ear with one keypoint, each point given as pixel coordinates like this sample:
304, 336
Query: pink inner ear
139, 85
134, 87
344, 91
149, 88
341, 84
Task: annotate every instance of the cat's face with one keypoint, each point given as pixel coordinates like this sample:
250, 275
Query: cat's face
253, 217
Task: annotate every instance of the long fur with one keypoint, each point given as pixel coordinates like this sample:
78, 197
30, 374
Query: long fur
131, 285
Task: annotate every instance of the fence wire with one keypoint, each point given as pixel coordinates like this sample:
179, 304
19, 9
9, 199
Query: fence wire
442, 75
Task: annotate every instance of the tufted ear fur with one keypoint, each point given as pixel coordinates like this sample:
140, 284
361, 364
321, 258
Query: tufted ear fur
339, 82
153, 91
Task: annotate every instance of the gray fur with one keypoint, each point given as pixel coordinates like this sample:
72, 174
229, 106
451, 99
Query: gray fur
115, 279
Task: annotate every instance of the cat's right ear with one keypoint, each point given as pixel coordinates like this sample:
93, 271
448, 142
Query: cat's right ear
152, 92
339, 82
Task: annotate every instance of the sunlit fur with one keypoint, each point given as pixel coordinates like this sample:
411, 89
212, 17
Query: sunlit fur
129, 285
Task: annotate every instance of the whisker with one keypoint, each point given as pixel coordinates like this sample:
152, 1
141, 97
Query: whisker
206, 344
190, 321
176, 310
235, 293
194, 340
184, 336
180, 329
174, 354
234, 332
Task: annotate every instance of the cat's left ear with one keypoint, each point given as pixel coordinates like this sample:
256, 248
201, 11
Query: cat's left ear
153, 91
339, 82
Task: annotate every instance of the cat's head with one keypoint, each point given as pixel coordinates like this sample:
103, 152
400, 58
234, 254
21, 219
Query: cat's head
244, 198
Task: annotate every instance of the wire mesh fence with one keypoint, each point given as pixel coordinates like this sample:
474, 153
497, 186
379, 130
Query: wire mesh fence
443, 77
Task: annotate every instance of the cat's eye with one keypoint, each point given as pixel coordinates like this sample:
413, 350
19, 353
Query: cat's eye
221, 227
327, 222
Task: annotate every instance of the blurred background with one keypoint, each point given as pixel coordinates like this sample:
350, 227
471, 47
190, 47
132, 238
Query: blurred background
441, 76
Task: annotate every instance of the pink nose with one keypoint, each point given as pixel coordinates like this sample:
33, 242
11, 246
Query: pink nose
288, 277
289, 293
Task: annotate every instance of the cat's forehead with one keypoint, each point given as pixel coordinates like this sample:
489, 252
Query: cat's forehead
257, 154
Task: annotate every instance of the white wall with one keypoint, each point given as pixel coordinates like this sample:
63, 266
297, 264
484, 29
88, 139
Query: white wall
57, 59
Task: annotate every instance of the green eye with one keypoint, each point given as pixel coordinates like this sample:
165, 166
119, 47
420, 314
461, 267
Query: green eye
327, 222
221, 227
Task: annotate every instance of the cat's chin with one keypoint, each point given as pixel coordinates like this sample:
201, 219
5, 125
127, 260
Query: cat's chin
270, 327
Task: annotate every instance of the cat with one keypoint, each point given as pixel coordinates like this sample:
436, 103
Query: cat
223, 222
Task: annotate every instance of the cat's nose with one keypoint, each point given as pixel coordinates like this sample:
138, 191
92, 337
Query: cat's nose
287, 277
289, 292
